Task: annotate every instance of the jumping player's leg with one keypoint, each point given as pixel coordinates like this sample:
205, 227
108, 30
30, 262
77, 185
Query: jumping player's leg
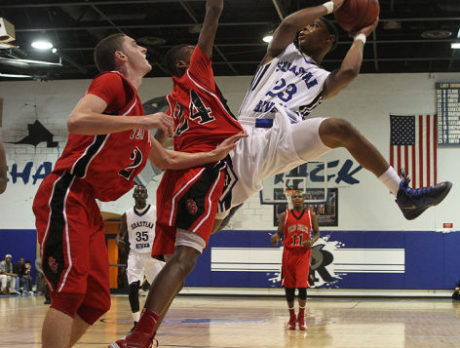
340, 133
171, 279
165, 287
326, 134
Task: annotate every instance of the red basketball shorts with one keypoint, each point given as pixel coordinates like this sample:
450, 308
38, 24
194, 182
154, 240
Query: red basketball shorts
187, 199
295, 267
70, 230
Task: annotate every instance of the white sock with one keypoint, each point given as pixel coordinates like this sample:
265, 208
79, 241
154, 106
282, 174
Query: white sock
391, 180
136, 316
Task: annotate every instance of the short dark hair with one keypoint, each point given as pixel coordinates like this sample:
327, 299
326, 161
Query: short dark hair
104, 52
173, 54
330, 27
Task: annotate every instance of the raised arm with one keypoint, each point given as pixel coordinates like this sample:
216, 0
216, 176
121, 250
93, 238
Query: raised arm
3, 178
351, 64
87, 118
288, 28
169, 159
275, 238
211, 21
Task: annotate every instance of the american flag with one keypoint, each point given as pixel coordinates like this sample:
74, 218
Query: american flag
413, 147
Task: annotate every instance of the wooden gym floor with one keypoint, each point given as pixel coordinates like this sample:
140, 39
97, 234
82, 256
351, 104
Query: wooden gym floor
241, 322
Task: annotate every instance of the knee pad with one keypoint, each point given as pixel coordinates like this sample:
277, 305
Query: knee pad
303, 293
290, 294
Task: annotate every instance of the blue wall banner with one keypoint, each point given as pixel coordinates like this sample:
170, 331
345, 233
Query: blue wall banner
340, 259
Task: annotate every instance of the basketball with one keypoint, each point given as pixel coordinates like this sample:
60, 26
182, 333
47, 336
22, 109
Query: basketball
355, 14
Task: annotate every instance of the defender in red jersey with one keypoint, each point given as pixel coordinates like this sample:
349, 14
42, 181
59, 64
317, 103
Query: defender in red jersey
188, 198
108, 145
295, 228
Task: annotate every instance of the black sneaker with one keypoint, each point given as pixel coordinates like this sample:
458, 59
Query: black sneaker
414, 202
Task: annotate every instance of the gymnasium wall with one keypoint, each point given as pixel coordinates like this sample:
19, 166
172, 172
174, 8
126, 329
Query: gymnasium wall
367, 217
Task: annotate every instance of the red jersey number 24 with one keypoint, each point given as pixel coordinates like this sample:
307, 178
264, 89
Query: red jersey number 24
197, 111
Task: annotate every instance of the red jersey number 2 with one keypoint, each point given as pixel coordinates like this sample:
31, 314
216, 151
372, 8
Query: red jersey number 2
136, 160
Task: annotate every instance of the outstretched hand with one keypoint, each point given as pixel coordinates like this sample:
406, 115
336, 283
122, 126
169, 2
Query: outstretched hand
162, 121
222, 150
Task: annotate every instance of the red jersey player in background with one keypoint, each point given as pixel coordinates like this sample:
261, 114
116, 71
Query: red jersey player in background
108, 145
188, 198
295, 228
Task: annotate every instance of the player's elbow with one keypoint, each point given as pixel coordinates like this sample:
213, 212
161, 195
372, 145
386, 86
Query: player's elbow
73, 123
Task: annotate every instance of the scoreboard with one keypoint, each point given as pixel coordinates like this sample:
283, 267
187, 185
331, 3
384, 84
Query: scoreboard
448, 110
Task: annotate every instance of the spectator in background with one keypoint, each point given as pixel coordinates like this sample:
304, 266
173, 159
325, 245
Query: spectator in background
456, 293
3, 178
7, 276
20, 269
24, 279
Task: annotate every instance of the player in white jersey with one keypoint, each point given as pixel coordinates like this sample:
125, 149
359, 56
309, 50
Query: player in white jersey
138, 223
288, 84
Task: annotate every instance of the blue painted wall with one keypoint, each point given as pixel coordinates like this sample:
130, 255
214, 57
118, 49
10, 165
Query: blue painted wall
431, 260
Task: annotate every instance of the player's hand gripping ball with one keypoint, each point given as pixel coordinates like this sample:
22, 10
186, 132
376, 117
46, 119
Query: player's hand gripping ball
356, 14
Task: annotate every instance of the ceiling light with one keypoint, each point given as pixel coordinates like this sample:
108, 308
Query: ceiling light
16, 76
267, 38
455, 45
42, 45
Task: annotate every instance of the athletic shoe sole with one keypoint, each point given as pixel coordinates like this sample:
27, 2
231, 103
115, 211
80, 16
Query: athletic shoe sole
417, 213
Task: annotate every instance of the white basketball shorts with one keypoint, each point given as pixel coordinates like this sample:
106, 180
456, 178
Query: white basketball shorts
270, 151
142, 264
